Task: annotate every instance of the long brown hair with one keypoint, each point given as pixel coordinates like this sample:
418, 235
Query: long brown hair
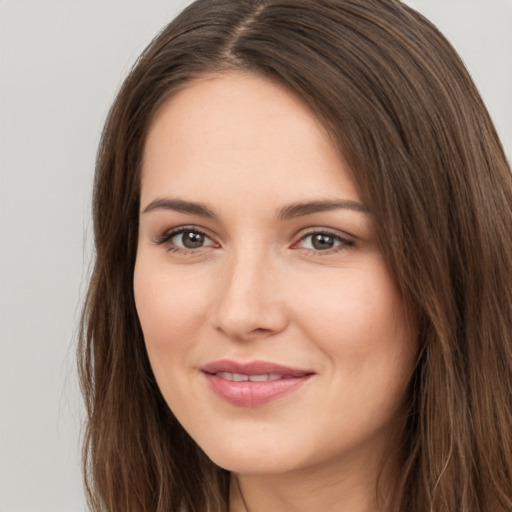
405, 114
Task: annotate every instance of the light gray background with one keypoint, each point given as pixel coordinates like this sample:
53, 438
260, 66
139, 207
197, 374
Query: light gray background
61, 63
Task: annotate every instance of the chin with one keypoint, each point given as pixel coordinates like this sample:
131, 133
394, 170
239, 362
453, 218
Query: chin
259, 464
248, 456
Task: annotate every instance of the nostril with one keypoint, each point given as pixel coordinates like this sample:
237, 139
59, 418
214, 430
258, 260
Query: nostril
240, 335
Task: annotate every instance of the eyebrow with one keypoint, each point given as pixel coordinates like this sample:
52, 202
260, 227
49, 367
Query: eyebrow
179, 205
310, 207
288, 212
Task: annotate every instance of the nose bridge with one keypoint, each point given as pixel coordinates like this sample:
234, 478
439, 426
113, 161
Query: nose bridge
249, 301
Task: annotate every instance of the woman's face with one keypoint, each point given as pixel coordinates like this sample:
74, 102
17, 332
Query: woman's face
274, 329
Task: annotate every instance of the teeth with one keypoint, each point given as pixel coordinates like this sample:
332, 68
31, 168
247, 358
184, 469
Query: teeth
258, 378
239, 377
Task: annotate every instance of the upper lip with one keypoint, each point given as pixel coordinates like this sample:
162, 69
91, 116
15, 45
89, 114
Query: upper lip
253, 368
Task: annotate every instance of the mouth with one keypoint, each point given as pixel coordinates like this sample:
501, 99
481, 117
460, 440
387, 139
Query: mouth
253, 384
240, 377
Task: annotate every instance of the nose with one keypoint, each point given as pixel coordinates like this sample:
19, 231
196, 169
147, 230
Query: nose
250, 301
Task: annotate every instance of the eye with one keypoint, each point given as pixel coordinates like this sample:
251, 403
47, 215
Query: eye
189, 239
323, 241
186, 239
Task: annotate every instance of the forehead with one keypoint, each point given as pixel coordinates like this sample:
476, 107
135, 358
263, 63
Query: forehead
239, 128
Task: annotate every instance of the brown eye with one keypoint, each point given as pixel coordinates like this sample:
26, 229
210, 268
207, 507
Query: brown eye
322, 241
190, 239
186, 239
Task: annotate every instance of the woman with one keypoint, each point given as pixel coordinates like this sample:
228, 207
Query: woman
301, 298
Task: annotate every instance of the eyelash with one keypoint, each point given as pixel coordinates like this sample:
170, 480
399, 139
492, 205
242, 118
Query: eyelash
340, 243
166, 238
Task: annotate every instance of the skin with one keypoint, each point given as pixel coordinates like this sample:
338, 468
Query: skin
258, 288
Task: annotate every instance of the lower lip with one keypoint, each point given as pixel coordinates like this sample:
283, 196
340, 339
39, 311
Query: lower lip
253, 394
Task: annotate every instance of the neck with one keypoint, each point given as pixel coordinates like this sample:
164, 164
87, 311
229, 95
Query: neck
327, 489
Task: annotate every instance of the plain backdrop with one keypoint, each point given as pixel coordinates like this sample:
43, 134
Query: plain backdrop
61, 63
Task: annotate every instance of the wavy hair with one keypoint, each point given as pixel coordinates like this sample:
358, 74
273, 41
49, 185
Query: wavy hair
401, 107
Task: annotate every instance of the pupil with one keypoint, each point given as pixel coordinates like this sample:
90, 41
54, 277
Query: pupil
323, 241
192, 240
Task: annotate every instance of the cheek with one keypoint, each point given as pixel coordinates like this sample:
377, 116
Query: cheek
355, 305
360, 323
170, 306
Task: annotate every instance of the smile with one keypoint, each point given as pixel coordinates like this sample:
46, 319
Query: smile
240, 377
252, 384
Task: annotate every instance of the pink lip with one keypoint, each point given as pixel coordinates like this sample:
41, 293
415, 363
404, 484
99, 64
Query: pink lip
251, 393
